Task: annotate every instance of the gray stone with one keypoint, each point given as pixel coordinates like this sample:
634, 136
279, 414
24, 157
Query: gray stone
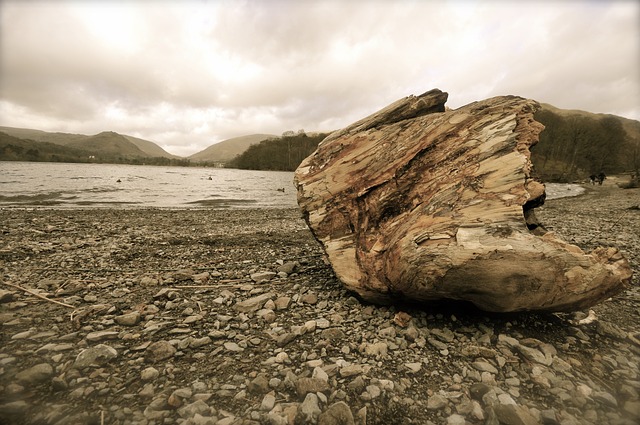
456, 419
309, 298
332, 334
259, 385
35, 374
252, 304
262, 276
483, 366
282, 303
289, 267
311, 385
376, 349
351, 370
199, 342
158, 351
268, 401
337, 414
128, 319
309, 409
232, 346
95, 356
149, 374
414, 367
197, 407
512, 414
101, 336
605, 398
192, 319
437, 402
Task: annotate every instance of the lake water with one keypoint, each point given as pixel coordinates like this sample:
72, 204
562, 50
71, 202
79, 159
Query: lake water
62, 185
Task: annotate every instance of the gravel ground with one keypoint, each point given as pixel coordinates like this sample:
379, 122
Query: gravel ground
233, 317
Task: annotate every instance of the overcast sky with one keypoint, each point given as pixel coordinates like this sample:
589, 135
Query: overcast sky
187, 74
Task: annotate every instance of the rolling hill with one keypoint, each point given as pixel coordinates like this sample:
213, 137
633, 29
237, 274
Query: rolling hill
106, 143
228, 149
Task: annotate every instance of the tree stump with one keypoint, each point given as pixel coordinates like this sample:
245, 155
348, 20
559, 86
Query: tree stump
417, 203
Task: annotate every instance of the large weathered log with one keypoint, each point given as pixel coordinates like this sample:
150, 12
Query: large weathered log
418, 203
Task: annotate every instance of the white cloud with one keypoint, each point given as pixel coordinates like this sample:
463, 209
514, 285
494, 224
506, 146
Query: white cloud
186, 74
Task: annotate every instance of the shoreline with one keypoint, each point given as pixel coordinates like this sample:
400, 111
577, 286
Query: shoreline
231, 316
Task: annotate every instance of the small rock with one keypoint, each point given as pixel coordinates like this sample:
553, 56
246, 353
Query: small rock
35, 374
192, 319
282, 303
101, 336
311, 385
259, 385
309, 298
199, 342
337, 414
232, 346
288, 267
319, 373
252, 304
95, 356
128, 319
6, 296
483, 366
456, 419
605, 398
332, 333
309, 409
514, 414
149, 374
268, 401
437, 402
197, 407
376, 349
262, 276
351, 370
158, 351
414, 367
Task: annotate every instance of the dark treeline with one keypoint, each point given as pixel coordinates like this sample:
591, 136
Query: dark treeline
574, 147
278, 154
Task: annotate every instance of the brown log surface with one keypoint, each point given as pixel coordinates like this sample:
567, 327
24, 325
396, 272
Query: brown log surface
418, 203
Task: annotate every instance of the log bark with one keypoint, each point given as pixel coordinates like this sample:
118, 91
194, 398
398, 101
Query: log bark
418, 203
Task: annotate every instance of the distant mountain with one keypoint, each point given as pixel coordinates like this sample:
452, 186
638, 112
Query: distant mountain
107, 143
16, 149
228, 149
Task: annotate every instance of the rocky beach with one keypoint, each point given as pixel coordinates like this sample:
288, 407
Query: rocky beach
232, 316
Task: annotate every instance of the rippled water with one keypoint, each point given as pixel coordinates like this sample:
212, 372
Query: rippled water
96, 185
128, 186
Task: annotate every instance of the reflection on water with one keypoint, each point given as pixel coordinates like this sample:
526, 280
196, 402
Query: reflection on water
125, 186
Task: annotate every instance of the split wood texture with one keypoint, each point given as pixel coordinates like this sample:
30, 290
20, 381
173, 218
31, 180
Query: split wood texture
420, 203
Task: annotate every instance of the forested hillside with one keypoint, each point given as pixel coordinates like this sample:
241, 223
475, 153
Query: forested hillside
575, 145
279, 154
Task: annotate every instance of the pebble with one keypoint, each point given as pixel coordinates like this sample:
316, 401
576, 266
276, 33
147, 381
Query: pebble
158, 351
95, 356
294, 347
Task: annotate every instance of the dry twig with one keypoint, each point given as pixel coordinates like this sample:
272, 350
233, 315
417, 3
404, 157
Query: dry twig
35, 294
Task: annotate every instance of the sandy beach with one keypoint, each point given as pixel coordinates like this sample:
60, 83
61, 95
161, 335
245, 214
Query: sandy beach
229, 316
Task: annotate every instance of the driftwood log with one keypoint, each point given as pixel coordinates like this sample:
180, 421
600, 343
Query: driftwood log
420, 203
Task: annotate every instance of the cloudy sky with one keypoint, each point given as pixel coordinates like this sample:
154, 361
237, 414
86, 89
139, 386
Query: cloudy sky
187, 74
